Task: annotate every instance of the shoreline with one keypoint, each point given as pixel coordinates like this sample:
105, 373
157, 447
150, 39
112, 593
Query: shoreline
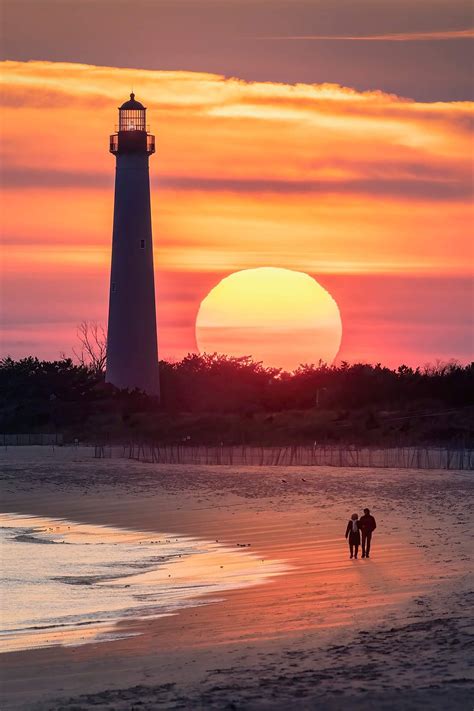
293, 632
98, 577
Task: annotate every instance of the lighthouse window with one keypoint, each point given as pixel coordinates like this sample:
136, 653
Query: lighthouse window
142, 243
113, 287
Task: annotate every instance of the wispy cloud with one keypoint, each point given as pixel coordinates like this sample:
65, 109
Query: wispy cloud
389, 37
409, 188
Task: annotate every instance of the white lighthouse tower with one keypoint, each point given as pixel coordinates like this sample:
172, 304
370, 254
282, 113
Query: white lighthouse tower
132, 351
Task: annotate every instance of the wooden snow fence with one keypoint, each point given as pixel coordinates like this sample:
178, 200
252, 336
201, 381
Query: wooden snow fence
295, 455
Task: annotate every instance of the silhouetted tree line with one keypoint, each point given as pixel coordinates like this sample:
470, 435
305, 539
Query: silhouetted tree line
216, 397
217, 383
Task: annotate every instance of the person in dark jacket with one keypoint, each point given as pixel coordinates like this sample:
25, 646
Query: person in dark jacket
367, 526
353, 534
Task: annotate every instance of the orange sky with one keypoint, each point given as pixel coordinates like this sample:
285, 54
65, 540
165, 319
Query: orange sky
367, 192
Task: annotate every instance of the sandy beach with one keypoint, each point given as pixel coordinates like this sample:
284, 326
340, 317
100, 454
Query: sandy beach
392, 632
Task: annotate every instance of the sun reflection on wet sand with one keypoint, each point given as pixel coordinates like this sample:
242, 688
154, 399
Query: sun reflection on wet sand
321, 589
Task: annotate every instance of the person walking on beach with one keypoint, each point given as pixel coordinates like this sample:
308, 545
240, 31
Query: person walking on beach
353, 534
367, 526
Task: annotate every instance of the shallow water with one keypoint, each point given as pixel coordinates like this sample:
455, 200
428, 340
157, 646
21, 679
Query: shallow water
69, 583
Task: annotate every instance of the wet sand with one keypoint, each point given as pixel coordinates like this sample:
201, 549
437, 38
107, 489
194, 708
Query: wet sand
388, 633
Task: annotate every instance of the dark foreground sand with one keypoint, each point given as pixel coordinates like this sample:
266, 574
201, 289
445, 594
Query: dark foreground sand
394, 632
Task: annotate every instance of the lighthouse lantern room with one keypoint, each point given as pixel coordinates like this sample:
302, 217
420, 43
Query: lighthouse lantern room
132, 130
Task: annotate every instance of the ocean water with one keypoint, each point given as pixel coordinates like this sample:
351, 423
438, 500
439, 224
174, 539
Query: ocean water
70, 583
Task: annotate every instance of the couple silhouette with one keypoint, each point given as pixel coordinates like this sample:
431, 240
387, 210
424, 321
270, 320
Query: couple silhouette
356, 526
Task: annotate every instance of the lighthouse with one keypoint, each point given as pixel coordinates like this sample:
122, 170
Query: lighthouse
132, 349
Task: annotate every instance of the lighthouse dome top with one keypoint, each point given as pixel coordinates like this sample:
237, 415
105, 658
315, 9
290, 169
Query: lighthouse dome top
132, 105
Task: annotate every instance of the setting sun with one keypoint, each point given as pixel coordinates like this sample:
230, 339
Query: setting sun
279, 316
